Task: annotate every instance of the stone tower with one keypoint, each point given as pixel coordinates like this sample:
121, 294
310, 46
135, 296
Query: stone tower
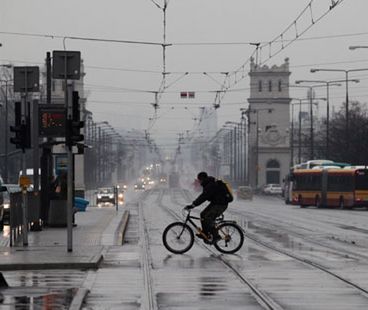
269, 120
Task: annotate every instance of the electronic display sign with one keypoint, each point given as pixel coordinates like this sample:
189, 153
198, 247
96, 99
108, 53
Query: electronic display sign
52, 120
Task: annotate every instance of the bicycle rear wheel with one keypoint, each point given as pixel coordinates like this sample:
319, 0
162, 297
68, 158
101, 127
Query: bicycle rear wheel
232, 238
178, 238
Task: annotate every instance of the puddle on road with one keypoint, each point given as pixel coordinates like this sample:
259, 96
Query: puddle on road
211, 286
36, 298
296, 244
285, 240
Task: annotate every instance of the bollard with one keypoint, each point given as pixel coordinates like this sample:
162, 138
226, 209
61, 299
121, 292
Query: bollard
3, 282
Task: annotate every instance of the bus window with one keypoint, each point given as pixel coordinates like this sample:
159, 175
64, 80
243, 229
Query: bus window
307, 182
340, 183
361, 179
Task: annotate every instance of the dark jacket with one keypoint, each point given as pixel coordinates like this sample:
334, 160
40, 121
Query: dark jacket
211, 192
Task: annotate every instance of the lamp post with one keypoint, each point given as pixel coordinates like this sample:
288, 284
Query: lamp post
300, 124
292, 136
258, 130
346, 94
327, 84
233, 160
237, 150
310, 88
6, 129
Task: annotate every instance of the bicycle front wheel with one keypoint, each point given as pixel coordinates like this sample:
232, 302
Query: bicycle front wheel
178, 238
232, 238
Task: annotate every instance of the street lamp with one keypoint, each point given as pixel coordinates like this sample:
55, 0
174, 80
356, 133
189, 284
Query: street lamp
6, 130
258, 130
347, 94
233, 159
327, 84
310, 88
237, 149
300, 123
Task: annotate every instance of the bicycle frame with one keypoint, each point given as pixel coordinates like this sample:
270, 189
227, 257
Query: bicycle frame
190, 219
218, 220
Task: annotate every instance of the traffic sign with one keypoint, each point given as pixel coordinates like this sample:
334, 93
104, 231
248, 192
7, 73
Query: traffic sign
68, 61
26, 79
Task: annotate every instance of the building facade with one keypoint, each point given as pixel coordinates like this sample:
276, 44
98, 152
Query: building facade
268, 125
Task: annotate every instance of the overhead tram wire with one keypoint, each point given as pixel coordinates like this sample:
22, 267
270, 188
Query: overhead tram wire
239, 74
227, 82
324, 37
186, 72
278, 40
51, 36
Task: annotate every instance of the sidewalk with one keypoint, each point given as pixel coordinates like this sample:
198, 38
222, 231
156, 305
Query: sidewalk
47, 249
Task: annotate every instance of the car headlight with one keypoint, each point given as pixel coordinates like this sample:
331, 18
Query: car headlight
121, 196
99, 196
6, 205
111, 195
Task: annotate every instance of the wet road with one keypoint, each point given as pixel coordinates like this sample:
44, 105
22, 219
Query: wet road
292, 258
43, 289
144, 275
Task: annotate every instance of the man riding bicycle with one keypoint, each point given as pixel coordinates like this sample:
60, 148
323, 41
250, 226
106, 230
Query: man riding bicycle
213, 193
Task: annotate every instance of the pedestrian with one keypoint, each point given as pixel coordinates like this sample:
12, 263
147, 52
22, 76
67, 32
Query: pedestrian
61, 186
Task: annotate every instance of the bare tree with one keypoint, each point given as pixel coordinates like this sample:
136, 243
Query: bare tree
356, 153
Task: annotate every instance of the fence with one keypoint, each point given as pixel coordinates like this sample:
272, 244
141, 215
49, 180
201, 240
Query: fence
16, 213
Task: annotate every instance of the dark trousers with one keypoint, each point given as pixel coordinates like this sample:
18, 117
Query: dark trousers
208, 216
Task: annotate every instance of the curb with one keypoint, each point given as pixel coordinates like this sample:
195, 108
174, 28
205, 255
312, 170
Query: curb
82, 293
78, 299
42, 266
123, 225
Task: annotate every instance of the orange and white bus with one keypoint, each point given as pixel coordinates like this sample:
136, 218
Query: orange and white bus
330, 187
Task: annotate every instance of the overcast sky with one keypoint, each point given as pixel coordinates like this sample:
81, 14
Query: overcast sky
121, 77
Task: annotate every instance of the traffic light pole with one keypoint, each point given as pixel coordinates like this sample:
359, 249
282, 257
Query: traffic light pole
24, 172
69, 109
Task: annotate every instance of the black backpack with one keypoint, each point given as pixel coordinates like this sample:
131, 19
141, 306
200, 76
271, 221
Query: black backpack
226, 189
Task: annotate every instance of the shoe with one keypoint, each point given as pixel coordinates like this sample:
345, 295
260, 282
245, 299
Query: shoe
200, 236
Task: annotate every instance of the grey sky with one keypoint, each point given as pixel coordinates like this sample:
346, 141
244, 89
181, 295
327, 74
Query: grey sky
195, 21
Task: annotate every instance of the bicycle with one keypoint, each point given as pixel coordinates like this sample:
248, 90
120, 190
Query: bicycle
178, 237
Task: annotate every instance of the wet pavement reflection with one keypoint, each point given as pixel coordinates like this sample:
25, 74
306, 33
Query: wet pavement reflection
40, 289
36, 298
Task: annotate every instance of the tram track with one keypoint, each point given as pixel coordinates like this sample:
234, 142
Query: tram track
299, 258
262, 298
149, 300
332, 238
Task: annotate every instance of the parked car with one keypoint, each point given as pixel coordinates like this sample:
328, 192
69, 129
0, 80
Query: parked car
5, 191
272, 189
105, 195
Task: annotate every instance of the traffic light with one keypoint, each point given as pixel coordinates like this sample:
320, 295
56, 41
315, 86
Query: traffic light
22, 139
74, 125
